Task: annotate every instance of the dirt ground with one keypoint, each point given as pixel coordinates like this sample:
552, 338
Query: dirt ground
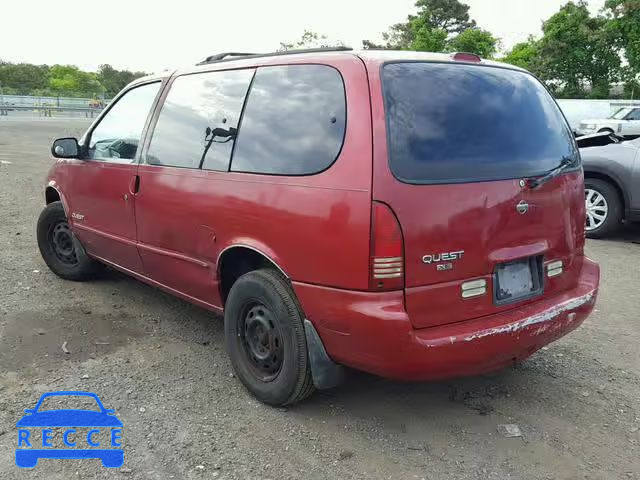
160, 363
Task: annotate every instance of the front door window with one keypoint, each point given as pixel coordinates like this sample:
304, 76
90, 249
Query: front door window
117, 136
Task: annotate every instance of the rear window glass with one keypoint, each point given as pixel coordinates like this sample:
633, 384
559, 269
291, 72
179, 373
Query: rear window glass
294, 121
455, 123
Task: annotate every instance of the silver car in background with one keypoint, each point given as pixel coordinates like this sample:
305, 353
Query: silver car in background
612, 182
625, 123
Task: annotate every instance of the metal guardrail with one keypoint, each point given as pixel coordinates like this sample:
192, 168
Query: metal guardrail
34, 100
47, 110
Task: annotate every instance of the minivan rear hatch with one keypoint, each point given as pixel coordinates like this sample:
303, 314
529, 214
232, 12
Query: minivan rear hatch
462, 143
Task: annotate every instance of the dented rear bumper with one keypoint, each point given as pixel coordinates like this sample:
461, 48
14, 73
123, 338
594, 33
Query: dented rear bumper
372, 331
489, 344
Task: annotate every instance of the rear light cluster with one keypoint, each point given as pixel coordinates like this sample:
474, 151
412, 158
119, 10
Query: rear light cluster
554, 268
474, 288
387, 256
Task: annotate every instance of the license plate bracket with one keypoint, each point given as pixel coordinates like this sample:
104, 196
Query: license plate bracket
518, 280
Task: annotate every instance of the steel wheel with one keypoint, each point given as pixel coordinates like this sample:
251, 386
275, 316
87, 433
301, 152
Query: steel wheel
262, 341
265, 337
597, 209
62, 243
61, 250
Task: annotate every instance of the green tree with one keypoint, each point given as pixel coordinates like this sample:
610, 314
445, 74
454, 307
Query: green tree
70, 80
449, 15
114, 80
475, 40
524, 55
577, 52
400, 36
28, 79
605, 64
623, 25
425, 38
310, 39
632, 89
23, 78
369, 45
423, 31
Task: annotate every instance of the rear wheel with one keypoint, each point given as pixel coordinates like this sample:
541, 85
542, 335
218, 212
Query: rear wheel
265, 338
603, 208
59, 247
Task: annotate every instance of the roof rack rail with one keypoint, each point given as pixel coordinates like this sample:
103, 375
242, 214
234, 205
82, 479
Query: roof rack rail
221, 56
226, 56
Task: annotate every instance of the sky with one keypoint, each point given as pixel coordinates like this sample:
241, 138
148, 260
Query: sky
154, 35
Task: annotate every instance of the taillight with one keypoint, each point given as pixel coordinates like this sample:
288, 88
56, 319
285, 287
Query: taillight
387, 257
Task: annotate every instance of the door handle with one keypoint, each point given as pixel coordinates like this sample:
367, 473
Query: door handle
134, 186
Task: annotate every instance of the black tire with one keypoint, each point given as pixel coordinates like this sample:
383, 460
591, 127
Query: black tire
607, 130
60, 249
265, 338
613, 217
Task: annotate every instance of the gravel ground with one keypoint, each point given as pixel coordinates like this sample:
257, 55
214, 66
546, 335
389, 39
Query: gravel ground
161, 364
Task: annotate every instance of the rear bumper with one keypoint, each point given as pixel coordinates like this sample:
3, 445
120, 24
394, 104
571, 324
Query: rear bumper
372, 332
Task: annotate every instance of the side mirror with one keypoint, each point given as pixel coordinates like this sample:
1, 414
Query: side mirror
65, 148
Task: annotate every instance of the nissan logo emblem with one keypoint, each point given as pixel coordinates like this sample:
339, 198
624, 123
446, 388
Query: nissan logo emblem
522, 207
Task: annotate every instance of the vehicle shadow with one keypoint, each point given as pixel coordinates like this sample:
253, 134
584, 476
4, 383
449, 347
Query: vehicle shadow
392, 406
629, 232
193, 324
423, 410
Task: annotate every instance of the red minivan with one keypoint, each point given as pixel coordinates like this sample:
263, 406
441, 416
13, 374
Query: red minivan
413, 215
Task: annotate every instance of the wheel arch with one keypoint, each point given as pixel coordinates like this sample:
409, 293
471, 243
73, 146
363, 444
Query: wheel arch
237, 259
52, 194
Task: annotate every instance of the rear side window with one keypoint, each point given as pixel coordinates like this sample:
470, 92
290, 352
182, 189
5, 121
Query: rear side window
462, 123
198, 122
294, 121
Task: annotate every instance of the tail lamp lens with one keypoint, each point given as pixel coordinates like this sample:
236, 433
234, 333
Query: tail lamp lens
387, 256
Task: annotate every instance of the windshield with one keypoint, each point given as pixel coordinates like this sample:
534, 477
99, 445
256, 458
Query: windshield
461, 123
620, 114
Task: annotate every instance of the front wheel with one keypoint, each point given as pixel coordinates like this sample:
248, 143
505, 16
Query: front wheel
603, 208
59, 247
265, 338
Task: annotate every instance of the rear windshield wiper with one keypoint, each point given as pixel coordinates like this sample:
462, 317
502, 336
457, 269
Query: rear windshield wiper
565, 163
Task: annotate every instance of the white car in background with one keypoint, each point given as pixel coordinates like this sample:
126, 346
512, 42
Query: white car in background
625, 122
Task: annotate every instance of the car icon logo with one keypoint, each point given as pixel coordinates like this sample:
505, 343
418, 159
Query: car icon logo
94, 429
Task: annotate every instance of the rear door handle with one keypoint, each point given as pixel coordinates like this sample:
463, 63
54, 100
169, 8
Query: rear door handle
134, 185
